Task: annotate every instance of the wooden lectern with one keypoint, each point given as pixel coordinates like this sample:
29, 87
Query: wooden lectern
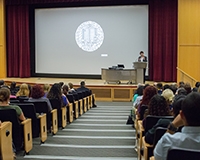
140, 71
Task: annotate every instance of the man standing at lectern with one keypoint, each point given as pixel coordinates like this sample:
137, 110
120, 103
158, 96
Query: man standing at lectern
142, 58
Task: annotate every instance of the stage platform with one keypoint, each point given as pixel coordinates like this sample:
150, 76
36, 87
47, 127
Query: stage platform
102, 90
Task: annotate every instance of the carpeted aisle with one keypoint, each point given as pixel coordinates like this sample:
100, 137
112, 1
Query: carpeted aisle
99, 134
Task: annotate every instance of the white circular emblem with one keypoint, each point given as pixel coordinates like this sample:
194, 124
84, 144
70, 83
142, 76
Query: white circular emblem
89, 36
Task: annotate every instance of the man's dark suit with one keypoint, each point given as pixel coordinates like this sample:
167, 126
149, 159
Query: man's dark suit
82, 88
144, 59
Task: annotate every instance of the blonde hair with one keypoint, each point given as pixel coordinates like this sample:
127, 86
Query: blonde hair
46, 88
23, 91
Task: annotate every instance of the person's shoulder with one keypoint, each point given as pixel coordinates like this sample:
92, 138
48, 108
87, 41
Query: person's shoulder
171, 139
14, 106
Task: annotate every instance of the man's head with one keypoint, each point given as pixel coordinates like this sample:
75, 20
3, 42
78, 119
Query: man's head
82, 83
141, 53
191, 109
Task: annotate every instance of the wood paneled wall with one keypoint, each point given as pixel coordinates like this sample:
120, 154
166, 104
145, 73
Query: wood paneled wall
188, 41
2, 40
113, 93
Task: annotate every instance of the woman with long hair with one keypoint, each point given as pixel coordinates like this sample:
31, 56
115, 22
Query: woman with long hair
148, 93
55, 93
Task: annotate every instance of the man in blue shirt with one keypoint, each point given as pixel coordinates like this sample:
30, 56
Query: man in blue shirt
189, 137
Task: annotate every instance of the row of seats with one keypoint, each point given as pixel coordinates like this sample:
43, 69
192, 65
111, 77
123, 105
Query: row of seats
145, 150
40, 121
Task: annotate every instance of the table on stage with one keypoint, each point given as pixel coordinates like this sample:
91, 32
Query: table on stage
135, 75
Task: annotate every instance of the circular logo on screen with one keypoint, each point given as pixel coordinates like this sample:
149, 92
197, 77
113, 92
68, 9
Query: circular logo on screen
89, 36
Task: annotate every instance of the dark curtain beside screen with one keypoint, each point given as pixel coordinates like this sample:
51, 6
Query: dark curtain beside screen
18, 50
163, 40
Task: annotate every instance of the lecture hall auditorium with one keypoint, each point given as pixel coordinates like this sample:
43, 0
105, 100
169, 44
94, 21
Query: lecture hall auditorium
86, 132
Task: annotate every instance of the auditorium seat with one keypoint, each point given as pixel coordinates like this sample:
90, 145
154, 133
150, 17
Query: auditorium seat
71, 99
61, 112
80, 103
6, 152
147, 150
86, 99
52, 119
39, 122
183, 154
81, 98
18, 129
70, 113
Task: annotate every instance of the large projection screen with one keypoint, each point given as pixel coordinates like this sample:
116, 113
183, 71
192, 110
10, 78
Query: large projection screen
125, 31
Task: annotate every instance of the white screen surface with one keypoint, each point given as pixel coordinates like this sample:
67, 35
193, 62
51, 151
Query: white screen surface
56, 51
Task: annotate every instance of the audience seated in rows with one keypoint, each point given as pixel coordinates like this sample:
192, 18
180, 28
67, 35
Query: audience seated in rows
138, 96
4, 103
23, 93
65, 89
189, 137
37, 94
159, 86
169, 96
157, 107
71, 88
149, 136
84, 88
148, 93
46, 88
55, 93
13, 88
188, 87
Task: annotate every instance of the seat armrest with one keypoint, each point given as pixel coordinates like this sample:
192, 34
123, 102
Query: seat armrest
64, 116
54, 121
27, 127
43, 127
6, 140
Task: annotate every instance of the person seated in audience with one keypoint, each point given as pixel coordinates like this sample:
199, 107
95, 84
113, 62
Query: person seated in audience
179, 92
189, 137
188, 88
149, 136
148, 93
195, 89
135, 94
2, 84
168, 95
181, 84
84, 88
46, 89
55, 93
173, 87
71, 88
23, 93
65, 89
4, 104
37, 95
13, 88
159, 86
5, 100
157, 107
166, 86
138, 99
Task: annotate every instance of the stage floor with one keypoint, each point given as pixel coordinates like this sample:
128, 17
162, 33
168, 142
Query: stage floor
76, 82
